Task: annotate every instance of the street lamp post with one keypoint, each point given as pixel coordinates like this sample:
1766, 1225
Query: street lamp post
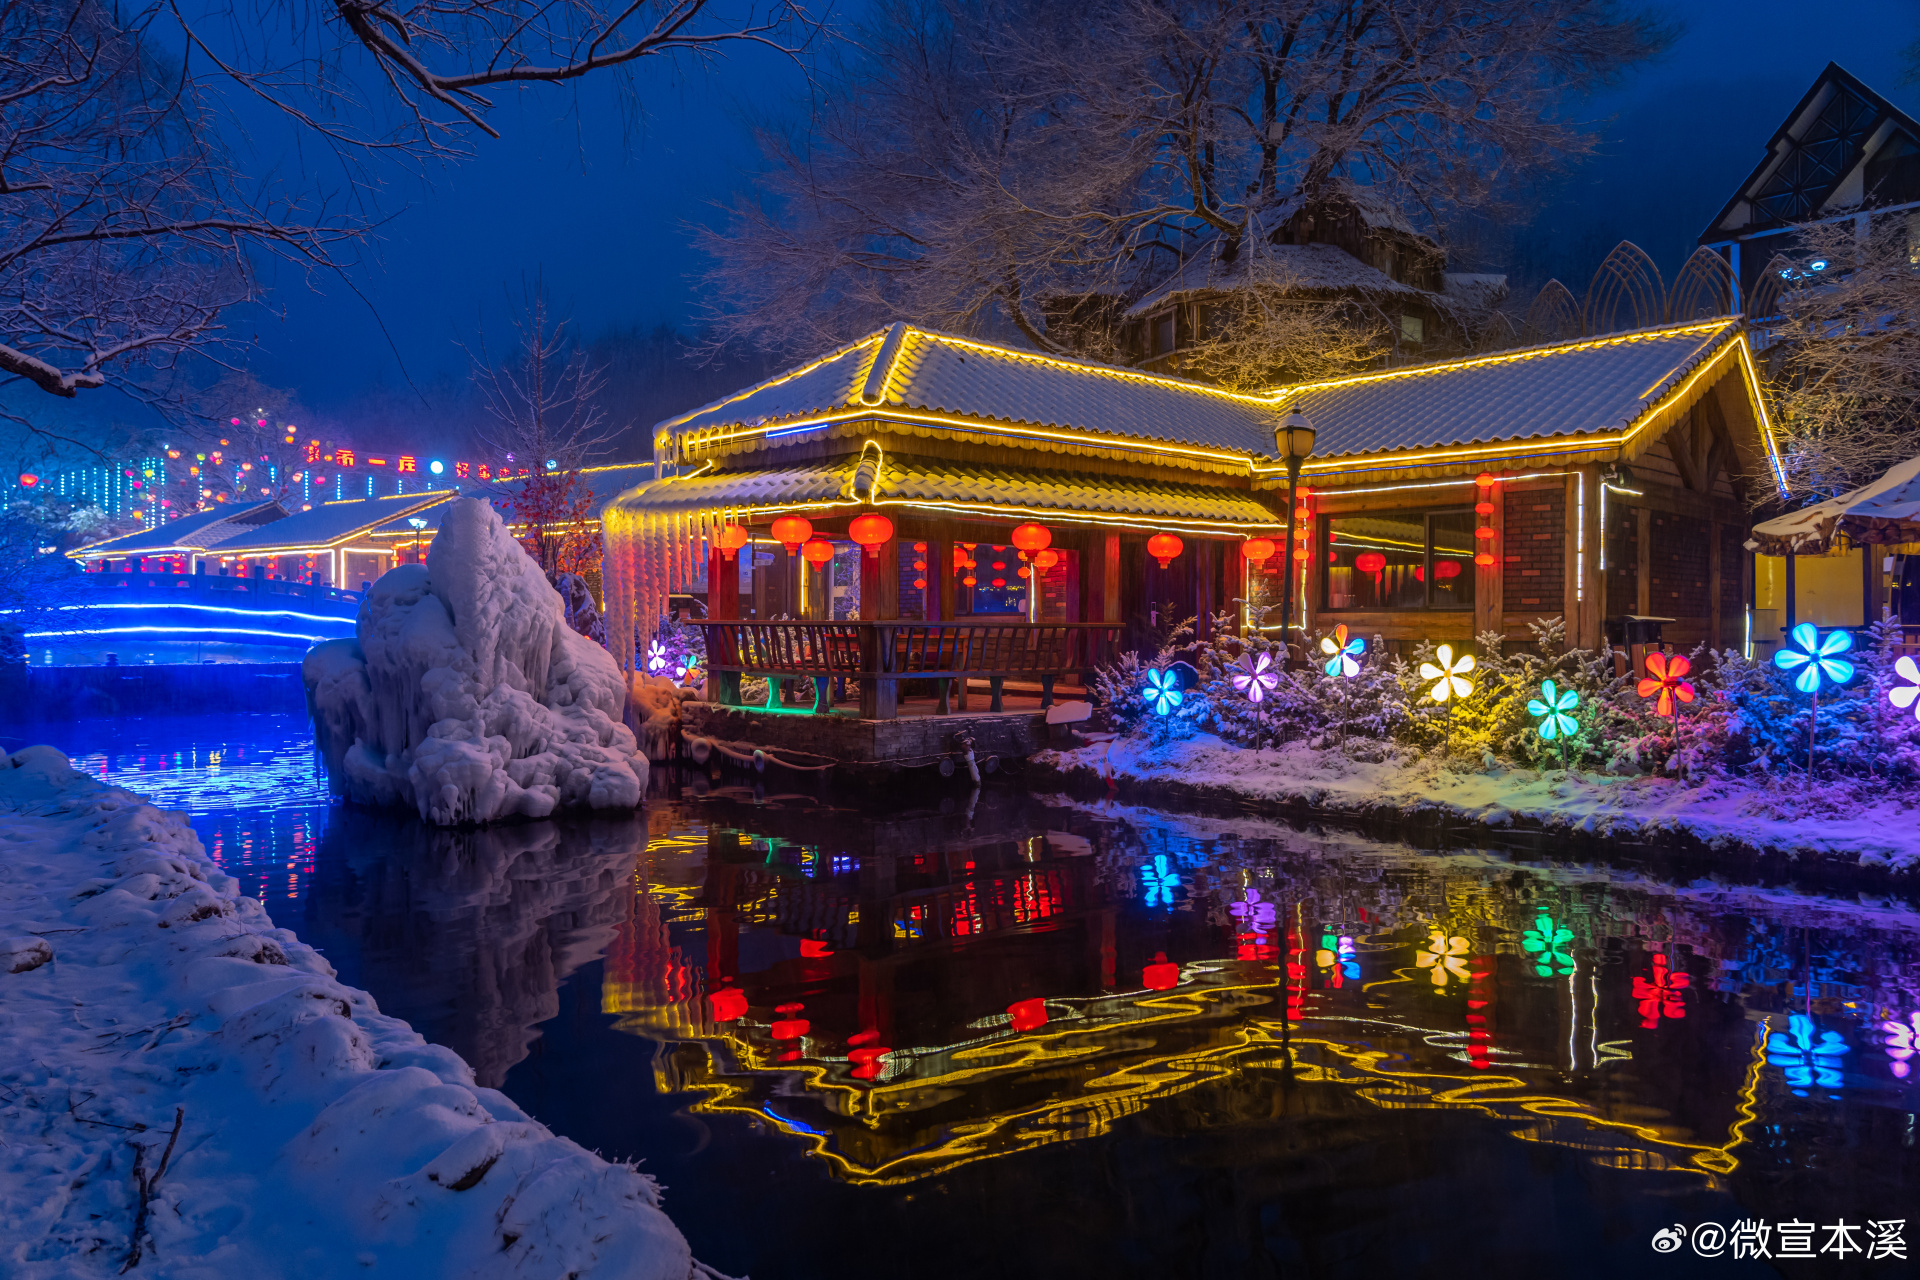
1293, 440
418, 524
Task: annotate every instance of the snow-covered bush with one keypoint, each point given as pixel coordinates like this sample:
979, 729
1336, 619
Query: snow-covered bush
466, 695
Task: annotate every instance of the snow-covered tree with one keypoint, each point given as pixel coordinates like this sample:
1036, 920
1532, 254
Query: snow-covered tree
973, 164
1839, 323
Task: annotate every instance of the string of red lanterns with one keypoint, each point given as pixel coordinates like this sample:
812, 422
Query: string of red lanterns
1483, 511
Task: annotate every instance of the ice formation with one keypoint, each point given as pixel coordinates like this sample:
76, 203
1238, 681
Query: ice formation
192, 1093
466, 695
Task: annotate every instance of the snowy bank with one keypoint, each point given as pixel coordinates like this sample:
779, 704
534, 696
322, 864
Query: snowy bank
466, 695
1377, 780
188, 1088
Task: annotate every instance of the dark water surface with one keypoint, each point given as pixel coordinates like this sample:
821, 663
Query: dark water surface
1030, 1038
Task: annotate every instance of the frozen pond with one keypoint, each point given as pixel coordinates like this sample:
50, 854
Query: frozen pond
1029, 1038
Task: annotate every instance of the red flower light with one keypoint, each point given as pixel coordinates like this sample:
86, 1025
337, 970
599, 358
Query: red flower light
1161, 975
728, 1003
1028, 1015
1665, 677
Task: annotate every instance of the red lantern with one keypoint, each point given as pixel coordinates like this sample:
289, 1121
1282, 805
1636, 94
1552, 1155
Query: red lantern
817, 552
1046, 560
1370, 562
1484, 480
1483, 508
871, 531
1299, 553
792, 531
1484, 559
732, 538
1164, 547
1444, 569
1484, 532
28, 479
1257, 549
1032, 537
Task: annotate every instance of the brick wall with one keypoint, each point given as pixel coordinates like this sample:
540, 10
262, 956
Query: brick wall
1533, 553
1679, 562
1623, 560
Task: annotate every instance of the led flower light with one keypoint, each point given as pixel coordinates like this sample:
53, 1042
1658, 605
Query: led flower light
1446, 956
1554, 705
1659, 996
656, 658
1448, 674
1906, 695
1815, 657
1253, 675
1665, 677
1547, 943
1343, 655
1162, 693
1160, 880
1337, 950
1804, 1061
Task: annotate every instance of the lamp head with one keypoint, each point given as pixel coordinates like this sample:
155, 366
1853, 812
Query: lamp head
1293, 438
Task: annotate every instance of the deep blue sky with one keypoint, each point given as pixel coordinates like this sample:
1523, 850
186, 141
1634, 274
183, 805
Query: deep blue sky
602, 209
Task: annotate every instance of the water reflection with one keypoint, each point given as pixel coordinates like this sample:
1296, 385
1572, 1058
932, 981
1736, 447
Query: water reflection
903, 998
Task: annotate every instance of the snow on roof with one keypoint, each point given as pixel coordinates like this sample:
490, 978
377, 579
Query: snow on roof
1475, 290
189, 532
1570, 388
939, 374
331, 523
1301, 268
924, 481
1587, 385
1886, 511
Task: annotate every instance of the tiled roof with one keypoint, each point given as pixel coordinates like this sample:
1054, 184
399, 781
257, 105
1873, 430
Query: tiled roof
965, 488
925, 480
1594, 385
936, 373
330, 523
737, 490
201, 529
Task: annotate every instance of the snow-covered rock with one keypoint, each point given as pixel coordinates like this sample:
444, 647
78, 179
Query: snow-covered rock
189, 1086
466, 695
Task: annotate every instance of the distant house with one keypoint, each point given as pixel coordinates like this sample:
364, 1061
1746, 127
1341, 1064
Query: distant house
1842, 150
1348, 247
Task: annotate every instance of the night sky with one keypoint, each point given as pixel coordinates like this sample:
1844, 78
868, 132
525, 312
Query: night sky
601, 208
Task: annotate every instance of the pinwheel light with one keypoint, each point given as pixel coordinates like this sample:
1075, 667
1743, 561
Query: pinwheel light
1666, 679
1254, 676
1448, 674
1908, 694
1162, 693
1816, 658
1343, 655
1553, 705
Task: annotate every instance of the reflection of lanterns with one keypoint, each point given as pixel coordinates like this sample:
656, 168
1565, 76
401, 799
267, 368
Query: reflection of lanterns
1032, 537
871, 531
1257, 550
1444, 569
732, 538
792, 531
1027, 1015
817, 552
1161, 975
1371, 563
969, 581
919, 584
1046, 560
728, 1003
1164, 547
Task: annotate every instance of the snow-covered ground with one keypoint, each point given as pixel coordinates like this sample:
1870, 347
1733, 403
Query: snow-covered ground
1848, 824
186, 1089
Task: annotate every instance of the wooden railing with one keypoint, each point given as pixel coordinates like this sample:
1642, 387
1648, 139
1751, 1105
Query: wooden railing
882, 654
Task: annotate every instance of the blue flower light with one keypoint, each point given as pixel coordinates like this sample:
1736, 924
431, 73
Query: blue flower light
1161, 880
1805, 1062
1162, 693
1816, 657
1555, 706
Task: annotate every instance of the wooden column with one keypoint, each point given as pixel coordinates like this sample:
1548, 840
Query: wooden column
1205, 553
1489, 605
879, 602
1713, 584
1643, 561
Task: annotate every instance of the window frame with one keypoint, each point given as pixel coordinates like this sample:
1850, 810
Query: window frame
1426, 514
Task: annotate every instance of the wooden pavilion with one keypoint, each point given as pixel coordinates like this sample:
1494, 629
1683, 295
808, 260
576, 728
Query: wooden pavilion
1592, 480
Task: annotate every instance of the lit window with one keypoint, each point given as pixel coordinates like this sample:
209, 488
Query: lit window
1413, 329
1399, 560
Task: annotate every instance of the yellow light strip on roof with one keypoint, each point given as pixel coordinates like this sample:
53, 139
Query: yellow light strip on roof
1281, 395
977, 426
1085, 517
1462, 454
1757, 393
872, 339
1134, 375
